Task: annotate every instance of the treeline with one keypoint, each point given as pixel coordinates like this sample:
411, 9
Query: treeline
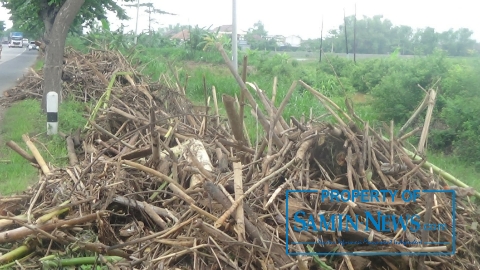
377, 35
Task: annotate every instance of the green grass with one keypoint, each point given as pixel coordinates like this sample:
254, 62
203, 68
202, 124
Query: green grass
456, 167
25, 117
39, 64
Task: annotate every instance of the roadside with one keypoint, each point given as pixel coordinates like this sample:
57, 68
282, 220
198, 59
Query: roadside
15, 118
24, 117
13, 65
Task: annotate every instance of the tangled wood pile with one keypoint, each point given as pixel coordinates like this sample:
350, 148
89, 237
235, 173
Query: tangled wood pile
156, 183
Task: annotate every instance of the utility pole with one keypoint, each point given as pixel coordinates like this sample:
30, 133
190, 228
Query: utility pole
345, 28
321, 41
355, 36
136, 24
234, 35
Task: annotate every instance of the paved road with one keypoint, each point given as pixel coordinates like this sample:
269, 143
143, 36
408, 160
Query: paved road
14, 64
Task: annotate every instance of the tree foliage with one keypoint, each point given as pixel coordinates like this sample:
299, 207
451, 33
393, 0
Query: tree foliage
378, 35
37, 17
257, 37
53, 20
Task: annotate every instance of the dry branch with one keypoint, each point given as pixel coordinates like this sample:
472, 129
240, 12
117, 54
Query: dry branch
15, 147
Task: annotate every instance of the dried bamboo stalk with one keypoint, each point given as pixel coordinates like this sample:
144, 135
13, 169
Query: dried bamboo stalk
72, 156
238, 183
251, 100
36, 154
233, 118
432, 96
215, 102
19, 233
199, 153
155, 139
415, 115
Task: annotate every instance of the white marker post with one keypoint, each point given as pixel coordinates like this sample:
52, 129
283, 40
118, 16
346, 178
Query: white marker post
52, 113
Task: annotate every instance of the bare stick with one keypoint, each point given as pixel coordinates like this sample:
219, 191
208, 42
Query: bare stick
285, 101
414, 116
227, 213
36, 154
15, 147
19, 233
274, 90
242, 95
72, 156
154, 138
214, 93
409, 134
233, 117
238, 183
423, 138
152, 214
32, 203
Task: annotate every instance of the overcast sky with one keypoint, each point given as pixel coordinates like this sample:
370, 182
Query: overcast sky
303, 17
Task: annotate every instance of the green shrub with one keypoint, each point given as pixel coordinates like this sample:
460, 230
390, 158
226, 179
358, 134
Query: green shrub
369, 73
460, 110
343, 66
398, 93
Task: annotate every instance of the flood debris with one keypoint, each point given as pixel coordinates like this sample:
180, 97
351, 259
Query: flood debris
153, 183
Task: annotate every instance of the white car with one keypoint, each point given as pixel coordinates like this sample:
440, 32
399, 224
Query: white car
32, 46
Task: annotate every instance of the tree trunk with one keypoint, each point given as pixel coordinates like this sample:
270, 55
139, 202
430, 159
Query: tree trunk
55, 41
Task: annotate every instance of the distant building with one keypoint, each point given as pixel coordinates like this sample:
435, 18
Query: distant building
293, 41
280, 40
223, 30
228, 29
182, 35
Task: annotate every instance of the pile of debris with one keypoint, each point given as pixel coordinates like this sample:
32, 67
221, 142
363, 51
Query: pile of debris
156, 183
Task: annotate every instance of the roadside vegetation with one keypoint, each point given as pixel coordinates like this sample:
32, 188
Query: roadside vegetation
25, 117
381, 89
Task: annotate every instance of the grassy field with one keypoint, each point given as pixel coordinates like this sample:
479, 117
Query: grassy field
315, 56
25, 117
